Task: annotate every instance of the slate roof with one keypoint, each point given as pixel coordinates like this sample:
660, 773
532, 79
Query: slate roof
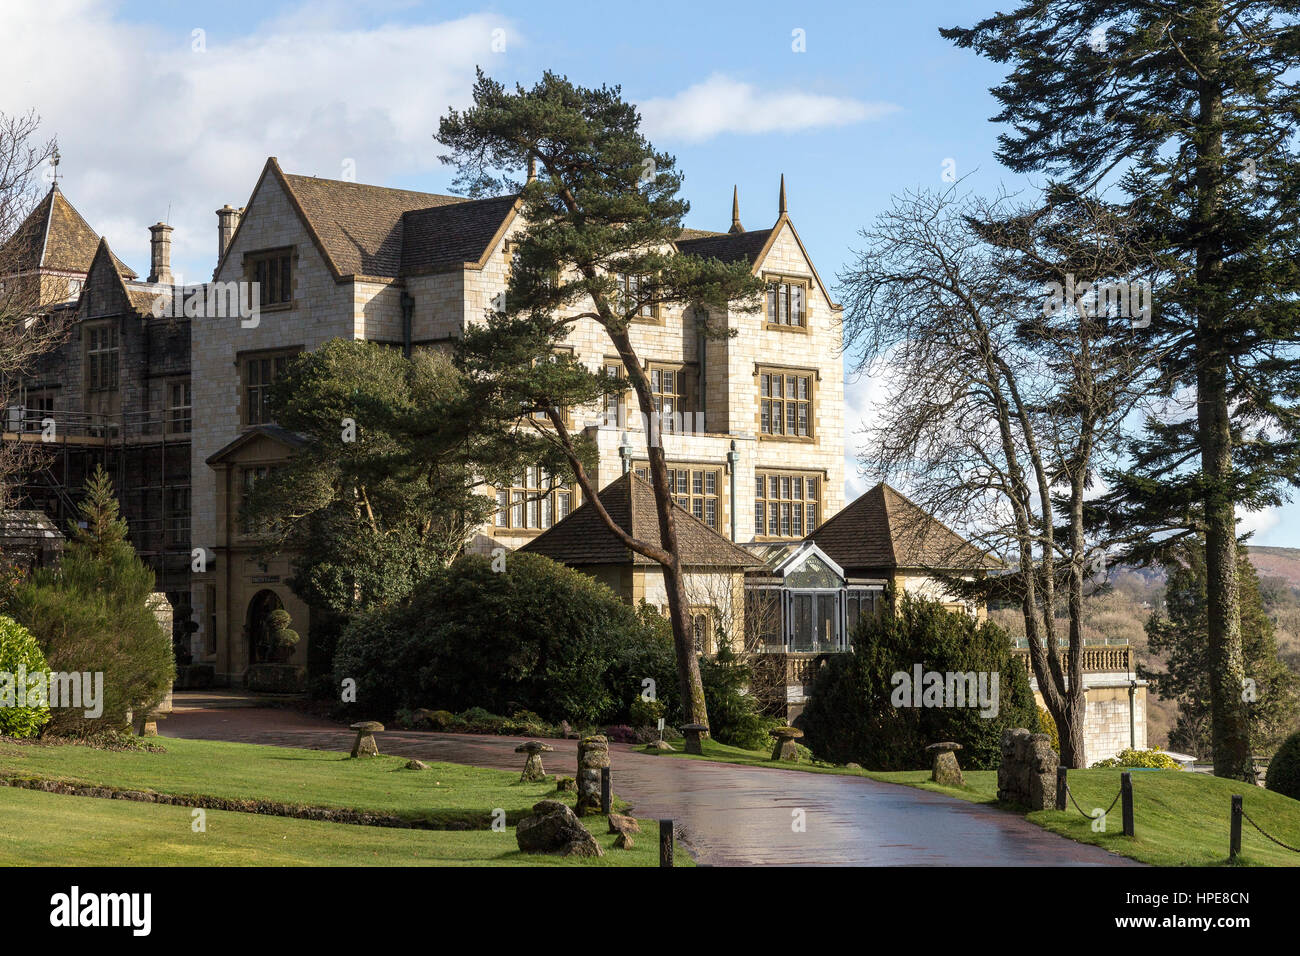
884, 529
452, 234
729, 247
387, 233
55, 236
582, 538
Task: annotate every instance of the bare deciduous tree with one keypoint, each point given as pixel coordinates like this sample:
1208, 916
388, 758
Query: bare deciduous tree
1006, 393
25, 333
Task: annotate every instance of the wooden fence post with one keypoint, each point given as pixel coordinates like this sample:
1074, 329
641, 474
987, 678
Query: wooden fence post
1234, 843
665, 842
1126, 797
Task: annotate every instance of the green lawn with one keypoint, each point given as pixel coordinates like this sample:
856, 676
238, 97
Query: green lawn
445, 794
1179, 818
725, 753
41, 827
47, 829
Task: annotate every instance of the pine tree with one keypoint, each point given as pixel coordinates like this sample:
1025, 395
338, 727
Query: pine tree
102, 530
602, 203
1181, 630
1190, 107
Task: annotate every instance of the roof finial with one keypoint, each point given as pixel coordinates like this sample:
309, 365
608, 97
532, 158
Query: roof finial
735, 210
54, 161
782, 210
532, 168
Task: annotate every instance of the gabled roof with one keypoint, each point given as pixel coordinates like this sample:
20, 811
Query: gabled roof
807, 549
453, 234
883, 529
137, 296
582, 538
729, 247
55, 236
384, 233
274, 432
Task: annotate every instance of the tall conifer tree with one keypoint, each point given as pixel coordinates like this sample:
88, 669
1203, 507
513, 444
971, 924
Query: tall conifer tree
1190, 109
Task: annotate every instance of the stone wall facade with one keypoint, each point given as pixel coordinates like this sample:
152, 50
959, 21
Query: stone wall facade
324, 307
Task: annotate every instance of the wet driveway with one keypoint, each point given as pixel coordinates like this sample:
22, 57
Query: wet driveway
728, 815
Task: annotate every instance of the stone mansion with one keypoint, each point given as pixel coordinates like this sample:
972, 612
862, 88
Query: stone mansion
342, 259
177, 409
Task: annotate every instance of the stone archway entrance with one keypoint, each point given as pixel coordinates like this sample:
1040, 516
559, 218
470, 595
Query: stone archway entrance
261, 650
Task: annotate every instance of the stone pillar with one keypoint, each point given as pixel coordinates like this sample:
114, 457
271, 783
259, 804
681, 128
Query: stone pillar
162, 611
593, 754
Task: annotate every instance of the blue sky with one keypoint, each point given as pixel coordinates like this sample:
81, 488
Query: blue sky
156, 120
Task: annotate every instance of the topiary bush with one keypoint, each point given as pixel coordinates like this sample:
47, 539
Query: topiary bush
1152, 759
537, 636
1283, 774
283, 638
19, 652
851, 715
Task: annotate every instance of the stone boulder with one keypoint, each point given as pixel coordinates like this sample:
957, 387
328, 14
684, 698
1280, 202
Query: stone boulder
1027, 771
945, 770
554, 828
621, 824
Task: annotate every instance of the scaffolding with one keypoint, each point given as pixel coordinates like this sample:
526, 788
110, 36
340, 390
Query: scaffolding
147, 454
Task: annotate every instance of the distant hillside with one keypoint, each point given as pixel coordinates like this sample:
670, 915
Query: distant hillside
1120, 613
1277, 562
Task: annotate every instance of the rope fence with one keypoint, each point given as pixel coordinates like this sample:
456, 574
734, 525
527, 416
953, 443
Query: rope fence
1238, 814
1064, 792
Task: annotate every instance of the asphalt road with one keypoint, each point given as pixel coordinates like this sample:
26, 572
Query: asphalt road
727, 815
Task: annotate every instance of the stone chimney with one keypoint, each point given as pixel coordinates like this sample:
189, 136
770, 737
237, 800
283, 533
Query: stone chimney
160, 253
227, 222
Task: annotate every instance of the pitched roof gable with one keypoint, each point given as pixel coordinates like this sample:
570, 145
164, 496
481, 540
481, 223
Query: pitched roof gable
55, 236
752, 247
125, 294
729, 247
386, 233
582, 538
453, 234
884, 529
273, 432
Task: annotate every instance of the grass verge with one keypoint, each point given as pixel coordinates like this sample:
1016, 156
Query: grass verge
456, 801
47, 829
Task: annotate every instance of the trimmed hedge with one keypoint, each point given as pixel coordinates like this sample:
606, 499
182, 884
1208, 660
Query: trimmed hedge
1139, 758
1283, 774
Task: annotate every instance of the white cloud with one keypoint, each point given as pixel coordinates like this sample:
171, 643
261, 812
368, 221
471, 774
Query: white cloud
146, 123
865, 397
724, 105
1260, 522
